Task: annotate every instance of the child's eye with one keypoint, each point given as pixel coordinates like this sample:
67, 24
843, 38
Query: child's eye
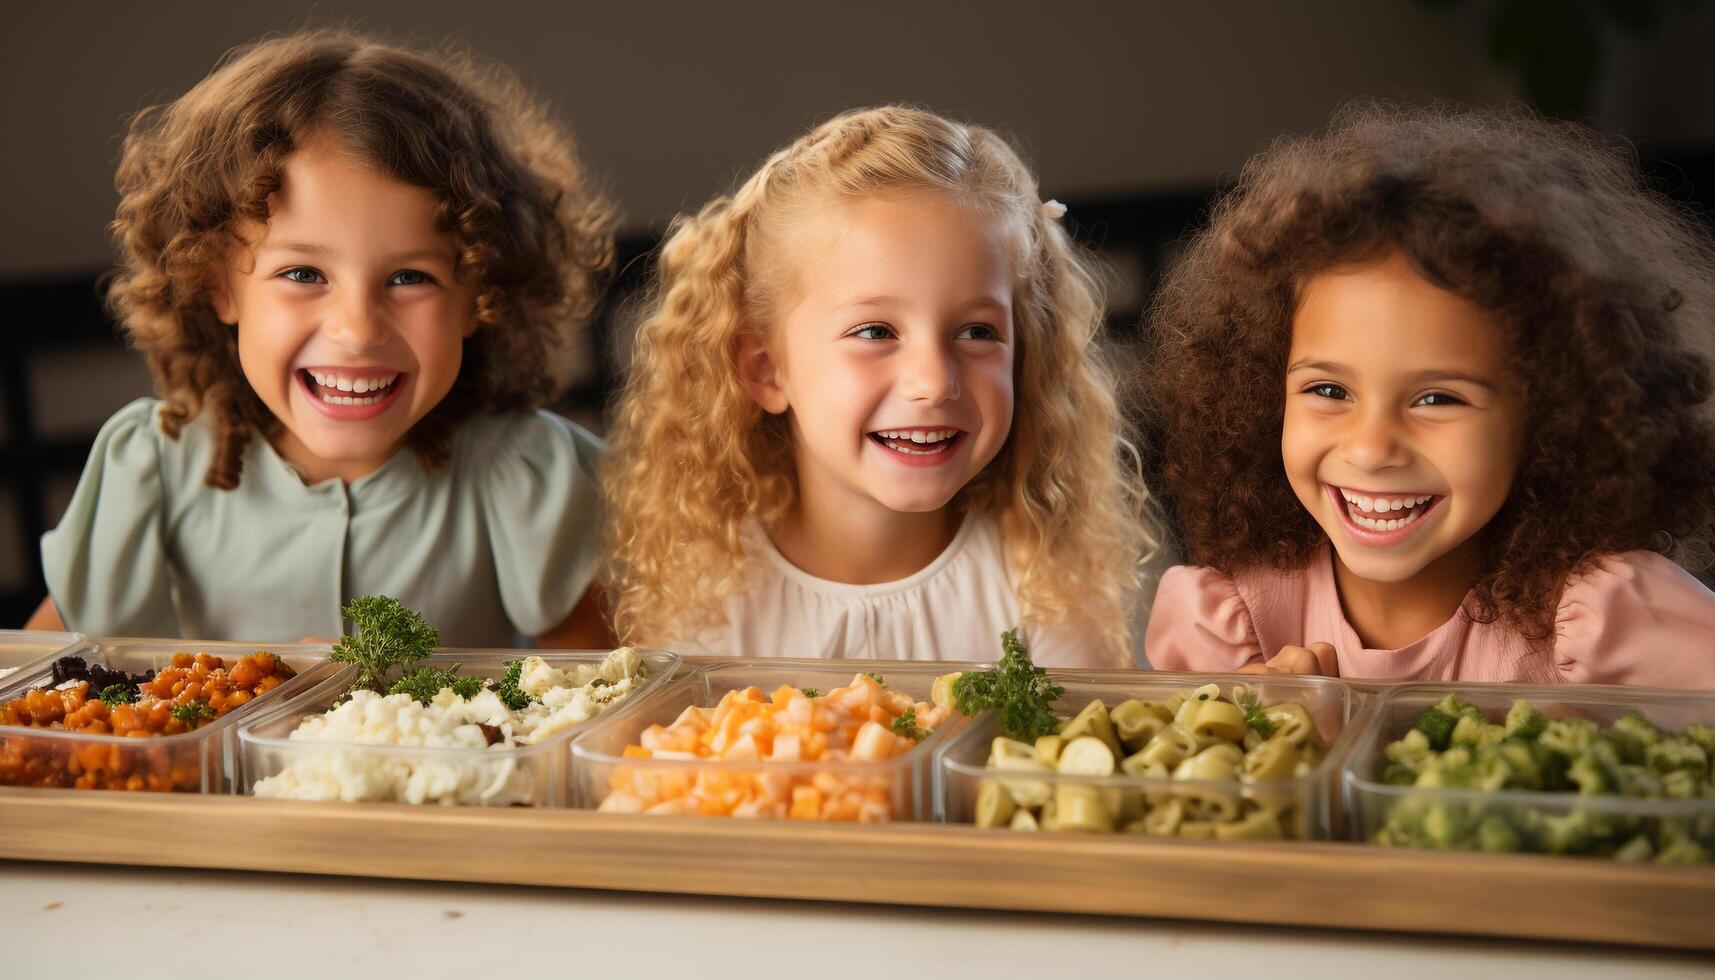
303, 276
978, 331
1437, 398
411, 277
873, 331
1327, 389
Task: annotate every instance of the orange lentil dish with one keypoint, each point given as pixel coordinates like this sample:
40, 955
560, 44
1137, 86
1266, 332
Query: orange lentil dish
191, 693
800, 734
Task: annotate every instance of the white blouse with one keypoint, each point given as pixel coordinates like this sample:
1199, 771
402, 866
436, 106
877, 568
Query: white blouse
955, 608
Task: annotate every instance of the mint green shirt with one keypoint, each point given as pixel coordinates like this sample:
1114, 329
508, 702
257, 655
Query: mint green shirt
502, 541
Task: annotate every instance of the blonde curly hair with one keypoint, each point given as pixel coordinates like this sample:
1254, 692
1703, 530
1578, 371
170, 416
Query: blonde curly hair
531, 235
694, 459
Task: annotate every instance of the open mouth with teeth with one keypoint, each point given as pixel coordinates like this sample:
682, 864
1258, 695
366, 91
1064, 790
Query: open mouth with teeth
1382, 513
918, 442
337, 388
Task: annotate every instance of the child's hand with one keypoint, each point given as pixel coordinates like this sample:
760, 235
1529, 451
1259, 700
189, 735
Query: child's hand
1317, 658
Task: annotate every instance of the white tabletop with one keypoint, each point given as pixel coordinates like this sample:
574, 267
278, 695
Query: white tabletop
320, 926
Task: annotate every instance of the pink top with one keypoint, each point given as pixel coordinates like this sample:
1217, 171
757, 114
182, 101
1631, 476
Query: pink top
1636, 618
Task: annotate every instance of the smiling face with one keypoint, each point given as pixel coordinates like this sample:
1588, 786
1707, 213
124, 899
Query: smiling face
893, 352
351, 318
1403, 427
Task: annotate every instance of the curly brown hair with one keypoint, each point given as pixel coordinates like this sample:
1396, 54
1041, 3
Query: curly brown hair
1601, 285
532, 236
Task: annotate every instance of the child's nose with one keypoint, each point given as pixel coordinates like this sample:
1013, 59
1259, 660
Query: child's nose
1373, 442
929, 374
358, 322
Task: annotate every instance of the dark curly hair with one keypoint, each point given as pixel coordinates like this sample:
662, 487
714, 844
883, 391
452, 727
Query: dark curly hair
1601, 285
534, 239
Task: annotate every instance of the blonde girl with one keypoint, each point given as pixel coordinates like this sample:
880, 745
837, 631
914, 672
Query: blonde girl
349, 266
868, 415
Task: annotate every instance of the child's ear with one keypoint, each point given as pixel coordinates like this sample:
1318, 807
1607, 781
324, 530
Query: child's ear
759, 374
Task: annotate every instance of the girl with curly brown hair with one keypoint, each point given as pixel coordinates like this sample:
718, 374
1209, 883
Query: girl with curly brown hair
869, 415
349, 266
1429, 406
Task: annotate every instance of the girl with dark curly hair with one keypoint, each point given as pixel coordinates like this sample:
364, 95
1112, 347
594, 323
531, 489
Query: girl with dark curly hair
350, 267
1429, 406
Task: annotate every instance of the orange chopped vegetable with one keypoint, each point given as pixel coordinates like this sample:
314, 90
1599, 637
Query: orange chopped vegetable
786, 733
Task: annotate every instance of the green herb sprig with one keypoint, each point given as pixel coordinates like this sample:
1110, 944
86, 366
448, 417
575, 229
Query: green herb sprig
117, 694
810, 692
192, 712
1256, 719
510, 693
877, 678
424, 683
906, 725
389, 636
1019, 689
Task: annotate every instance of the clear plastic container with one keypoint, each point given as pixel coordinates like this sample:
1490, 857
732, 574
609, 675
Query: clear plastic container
905, 781
1296, 808
532, 775
24, 651
200, 761
1371, 803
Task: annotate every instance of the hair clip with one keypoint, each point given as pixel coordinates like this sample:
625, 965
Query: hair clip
1053, 209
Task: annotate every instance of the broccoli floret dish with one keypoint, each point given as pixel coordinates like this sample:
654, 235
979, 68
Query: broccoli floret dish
1457, 757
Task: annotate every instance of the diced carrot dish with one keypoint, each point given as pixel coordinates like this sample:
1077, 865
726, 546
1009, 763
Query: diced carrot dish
785, 733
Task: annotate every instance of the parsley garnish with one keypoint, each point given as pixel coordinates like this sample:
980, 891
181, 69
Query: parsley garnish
1255, 717
424, 683
192, 712
1018, 688
906, 725
810, 692
389, 636
115, 694
877, 678
510, 693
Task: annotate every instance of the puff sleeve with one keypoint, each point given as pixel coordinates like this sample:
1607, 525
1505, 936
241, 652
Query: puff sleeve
106, 562
542, 505
1636, 618
1200, 623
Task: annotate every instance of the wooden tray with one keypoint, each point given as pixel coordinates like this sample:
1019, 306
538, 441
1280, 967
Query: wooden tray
1309, 884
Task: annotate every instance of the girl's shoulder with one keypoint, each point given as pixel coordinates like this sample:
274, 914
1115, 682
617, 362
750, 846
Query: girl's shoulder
133, 445
105, 561
137, 423
1204, 619
1199, 622
532, 478
1258, 593
1636, 617
496, 450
